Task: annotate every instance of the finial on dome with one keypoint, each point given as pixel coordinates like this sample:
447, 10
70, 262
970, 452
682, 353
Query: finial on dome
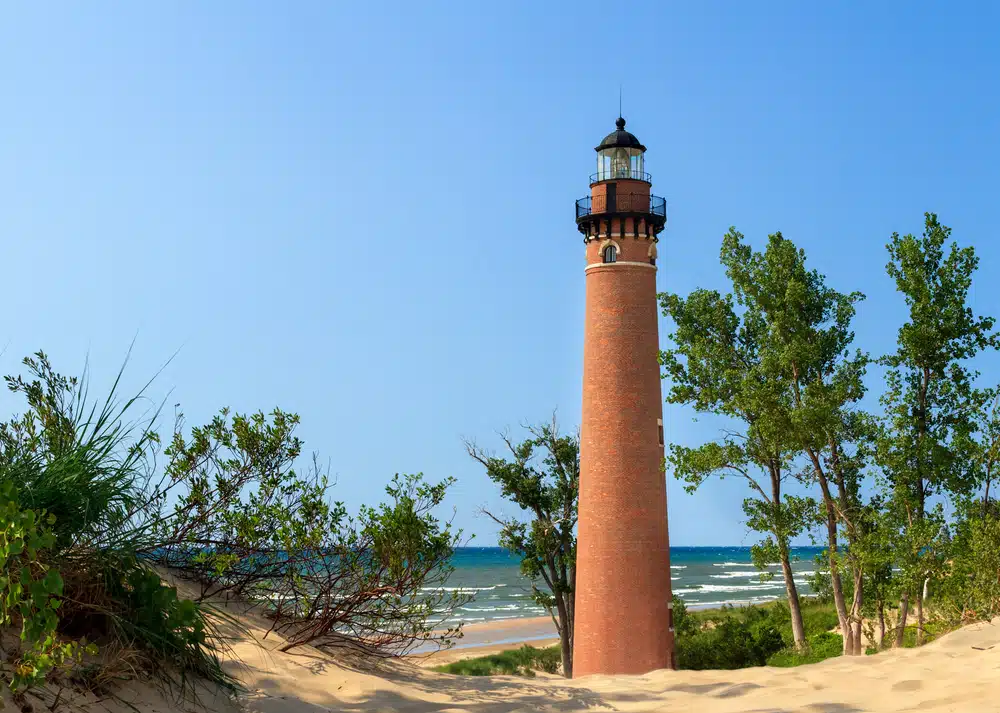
620, 123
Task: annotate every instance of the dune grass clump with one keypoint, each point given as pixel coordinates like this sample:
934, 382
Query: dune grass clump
525, 661
819, 647
83, 468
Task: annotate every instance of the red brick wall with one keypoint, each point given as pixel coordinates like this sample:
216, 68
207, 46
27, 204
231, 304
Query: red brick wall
623, 556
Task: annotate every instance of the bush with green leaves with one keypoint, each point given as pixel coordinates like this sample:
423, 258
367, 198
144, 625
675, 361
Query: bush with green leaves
30, 592
726, 639
246, 524
971, 592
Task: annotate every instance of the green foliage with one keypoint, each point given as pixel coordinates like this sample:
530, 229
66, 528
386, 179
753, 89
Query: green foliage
820, 646
87, 466
173, 631
685, 623
227, 511
930, 400
742, 365
245, 523
83, 462
732, 642
751, 636
775, 357
524, 661
972, 591
984, 452
30, 591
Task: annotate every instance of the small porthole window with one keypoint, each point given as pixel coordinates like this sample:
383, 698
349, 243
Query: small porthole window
610, 254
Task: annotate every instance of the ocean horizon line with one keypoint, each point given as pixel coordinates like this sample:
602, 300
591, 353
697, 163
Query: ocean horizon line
672, 547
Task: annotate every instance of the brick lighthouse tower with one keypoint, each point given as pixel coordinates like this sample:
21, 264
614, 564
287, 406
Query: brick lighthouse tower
623, 617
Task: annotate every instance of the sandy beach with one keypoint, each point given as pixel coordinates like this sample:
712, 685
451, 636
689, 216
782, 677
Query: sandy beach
958, 673
493, 637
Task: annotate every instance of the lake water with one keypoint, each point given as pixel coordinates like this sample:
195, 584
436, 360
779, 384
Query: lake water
702, 576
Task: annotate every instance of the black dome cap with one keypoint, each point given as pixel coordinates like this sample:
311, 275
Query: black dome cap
620, 138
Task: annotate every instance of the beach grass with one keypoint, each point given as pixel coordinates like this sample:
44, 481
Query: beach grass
823, 645
524, 661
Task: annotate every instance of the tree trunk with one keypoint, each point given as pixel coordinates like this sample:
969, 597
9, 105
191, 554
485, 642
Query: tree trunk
567, 654
904, 608
798, 630
846, 515
881, 624
920, 613
856, 605
565, 626
831, 540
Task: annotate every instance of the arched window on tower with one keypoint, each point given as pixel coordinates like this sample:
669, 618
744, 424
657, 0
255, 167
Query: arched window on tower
610, 254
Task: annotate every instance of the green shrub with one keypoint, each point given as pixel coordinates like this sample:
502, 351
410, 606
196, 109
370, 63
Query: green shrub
757, 635
818, 647
972, 591
30, 591
728, 640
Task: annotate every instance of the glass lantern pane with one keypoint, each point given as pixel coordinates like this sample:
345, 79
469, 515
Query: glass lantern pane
620, 163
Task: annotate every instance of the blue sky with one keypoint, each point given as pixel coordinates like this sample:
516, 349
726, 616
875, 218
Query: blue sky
362, 212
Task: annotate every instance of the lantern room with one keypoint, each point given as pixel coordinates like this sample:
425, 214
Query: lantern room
620, 156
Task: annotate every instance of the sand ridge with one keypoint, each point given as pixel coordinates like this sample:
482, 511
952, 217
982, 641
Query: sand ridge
959, 672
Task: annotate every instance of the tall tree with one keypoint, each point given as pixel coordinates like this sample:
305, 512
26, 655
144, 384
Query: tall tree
722, 363
542, 477
930, 394
806, 344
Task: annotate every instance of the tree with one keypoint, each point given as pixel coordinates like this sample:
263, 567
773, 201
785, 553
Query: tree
542, 478
722, 364
930, 398
805, 342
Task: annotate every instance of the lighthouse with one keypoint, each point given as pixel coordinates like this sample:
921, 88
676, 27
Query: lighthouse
623, 621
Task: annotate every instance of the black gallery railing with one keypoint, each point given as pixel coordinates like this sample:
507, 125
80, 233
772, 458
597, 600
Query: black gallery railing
621, 173
625, 203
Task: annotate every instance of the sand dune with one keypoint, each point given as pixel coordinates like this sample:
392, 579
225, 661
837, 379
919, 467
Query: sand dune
959, 673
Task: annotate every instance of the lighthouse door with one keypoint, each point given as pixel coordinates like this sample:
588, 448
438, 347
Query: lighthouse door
612, 197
